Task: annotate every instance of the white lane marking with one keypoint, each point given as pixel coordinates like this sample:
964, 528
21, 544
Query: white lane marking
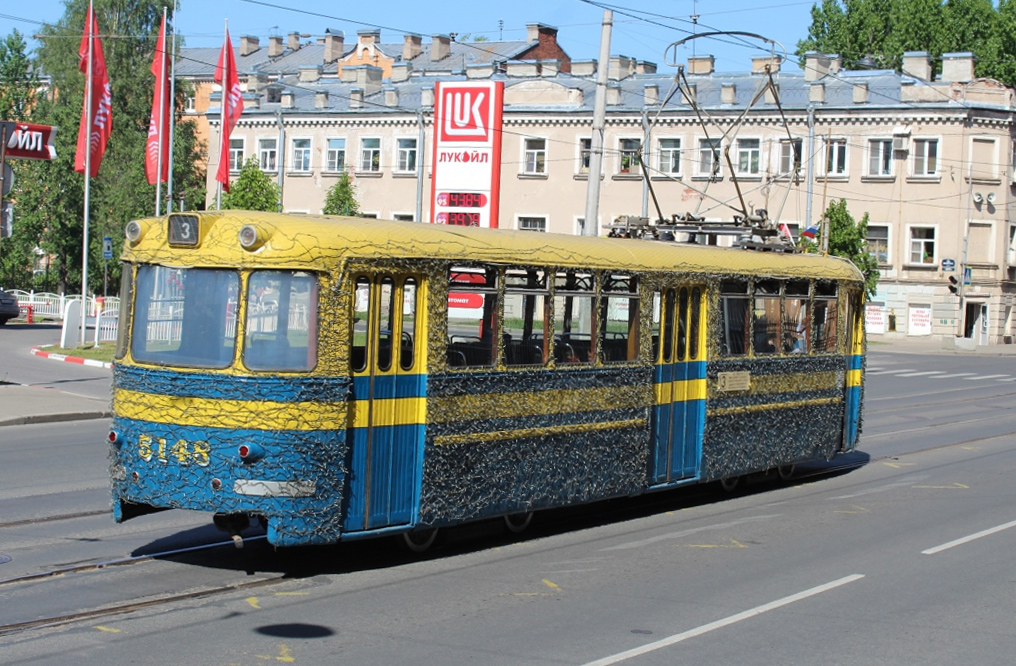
1007, 379
695, 530
921, 374
719, 624
891, 372
955, 375
983, 377
967, 539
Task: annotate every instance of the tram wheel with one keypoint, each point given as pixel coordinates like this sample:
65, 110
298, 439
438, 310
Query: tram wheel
420, 540
518, 522
785, 471
729, 483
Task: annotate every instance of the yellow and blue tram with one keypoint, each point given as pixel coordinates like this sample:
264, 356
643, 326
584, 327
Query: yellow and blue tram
343, 378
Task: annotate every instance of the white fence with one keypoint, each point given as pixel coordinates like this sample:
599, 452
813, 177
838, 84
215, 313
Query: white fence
47, 304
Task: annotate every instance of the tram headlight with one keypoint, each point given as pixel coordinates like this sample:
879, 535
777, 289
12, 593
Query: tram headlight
134, 232
251, 238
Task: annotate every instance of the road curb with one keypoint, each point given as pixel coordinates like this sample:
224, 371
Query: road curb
56, 418
39, 351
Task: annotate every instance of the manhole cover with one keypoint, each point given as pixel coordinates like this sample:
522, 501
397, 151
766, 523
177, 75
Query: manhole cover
4, 559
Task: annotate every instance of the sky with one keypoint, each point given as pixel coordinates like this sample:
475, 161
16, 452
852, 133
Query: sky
643, 29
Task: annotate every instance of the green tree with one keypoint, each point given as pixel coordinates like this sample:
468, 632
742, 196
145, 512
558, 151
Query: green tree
341, 198
50, 195
18, 81
253, 189
848, 239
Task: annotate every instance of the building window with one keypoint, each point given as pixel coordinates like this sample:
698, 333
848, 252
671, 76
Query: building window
336, 156
748, 156
877, 243
880, 157
267, 154
670, 157
925, 157
535, 159
630, 149
370, 154
532, 224
922, 245
790, 156
585, 153
189, 103
235, 154
836, 157
983, 158
301, 155
406, 155
709, 157
404, 217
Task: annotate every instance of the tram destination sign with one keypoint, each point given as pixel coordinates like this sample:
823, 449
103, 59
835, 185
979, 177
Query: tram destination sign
29, 141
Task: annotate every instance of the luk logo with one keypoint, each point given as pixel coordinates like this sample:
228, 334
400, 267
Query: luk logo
466, 114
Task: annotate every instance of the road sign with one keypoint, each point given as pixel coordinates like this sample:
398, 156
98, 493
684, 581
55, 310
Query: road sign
966, 276
107, 248
948, 265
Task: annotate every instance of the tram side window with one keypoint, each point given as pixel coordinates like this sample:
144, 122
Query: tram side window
409, 292
619, 319
734, 310
472, 317
826, 326
574, 325
185, 316
765, 327
281, 326
361, 314
796, 317
526, 320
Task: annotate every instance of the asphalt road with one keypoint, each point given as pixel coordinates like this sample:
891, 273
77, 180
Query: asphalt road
899, 554
17, 365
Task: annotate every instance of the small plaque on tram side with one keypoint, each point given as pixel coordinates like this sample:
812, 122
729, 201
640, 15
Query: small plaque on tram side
183, 230
733, 381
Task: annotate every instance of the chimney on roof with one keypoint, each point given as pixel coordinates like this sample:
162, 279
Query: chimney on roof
335, 46
818, 65
728, 95
860, 93
321, 99
651, 94
310, 73
412, 46
539, 32
401, 71
249, 44
294, 41
917, 64
758, 65
440, 47
613, 94
427, 96
368, 78
583, 67
275, 46
645, 67
957, 67
364, 37
356, 98
620, 67
288, 99
391, 96
703, 64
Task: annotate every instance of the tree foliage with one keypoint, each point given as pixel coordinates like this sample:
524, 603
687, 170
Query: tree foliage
341, 198
253, 189
885, 29
50, 195
848, 239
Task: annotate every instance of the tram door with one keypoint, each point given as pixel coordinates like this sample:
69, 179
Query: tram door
387, 408
680, 384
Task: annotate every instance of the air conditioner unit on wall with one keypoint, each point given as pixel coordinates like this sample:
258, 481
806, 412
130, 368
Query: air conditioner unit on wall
901, 143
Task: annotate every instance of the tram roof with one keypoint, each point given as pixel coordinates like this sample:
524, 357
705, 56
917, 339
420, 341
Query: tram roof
318, 241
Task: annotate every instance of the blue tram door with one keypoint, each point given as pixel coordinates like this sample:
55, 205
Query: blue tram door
679, 316
387, 409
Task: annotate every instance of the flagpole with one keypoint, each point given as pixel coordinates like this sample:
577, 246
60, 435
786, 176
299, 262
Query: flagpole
162, 117
88, 173
223, 107
172, 114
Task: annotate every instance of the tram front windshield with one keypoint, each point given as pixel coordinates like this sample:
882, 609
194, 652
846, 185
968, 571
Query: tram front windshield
185, 316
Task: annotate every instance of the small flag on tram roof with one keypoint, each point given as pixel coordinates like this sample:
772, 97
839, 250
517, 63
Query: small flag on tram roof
232, 106
92, 137
810, 232
158, 135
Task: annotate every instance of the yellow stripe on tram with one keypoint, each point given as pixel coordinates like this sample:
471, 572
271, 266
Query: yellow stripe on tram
390, 412
853, 377
680, 391
772, 406
536, 403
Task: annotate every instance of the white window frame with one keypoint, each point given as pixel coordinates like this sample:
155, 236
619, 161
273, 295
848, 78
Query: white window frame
669, 159
745, 151
271, 155
625, 152
370, 156
911, 244
585, 155
787, 155
405, 217
235, 164
923, 142
840, 157
406, 157
993, 175
520, 218
888, 243
716, 160
332, 162
882, 149
534, 155
300, 158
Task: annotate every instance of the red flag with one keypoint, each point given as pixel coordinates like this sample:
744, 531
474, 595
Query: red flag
158, 136
232, 106
95, 137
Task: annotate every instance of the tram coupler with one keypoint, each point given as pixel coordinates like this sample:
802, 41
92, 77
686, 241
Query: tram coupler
232, 524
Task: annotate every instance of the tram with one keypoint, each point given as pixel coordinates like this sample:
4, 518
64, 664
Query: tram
343, 378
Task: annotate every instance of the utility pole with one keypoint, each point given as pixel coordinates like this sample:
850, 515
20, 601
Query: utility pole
590, 225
